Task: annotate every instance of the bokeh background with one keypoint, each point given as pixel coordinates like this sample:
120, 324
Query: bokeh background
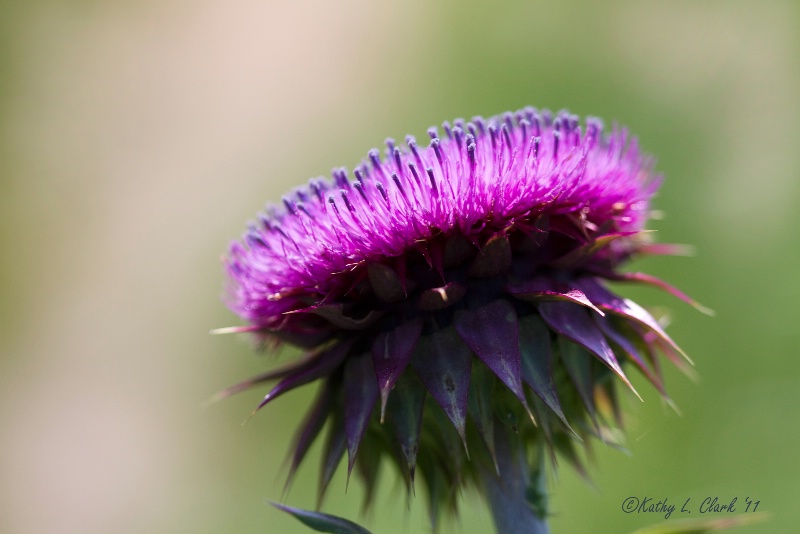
139, 136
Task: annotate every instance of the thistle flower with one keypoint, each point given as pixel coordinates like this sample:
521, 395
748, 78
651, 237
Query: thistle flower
453, 305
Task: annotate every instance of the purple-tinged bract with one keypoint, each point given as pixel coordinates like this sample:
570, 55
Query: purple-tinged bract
452, 301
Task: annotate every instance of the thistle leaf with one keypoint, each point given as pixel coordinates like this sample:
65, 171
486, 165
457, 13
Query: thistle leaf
385, 282
439, 298
580, 255
322, 522
360, 394
566, 447
481, 393
574, 323
437, 485
337, 316
391, 353
405, 415
578, 365
310, 429
335, 445
537, 362
630, 349
273, 374
492, 332
701, 526
443, 363
545, 289
649, 279
493, 259
368, 466
321, 366
608, 301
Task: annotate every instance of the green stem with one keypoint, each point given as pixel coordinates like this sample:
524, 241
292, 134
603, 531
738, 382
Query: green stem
509, 494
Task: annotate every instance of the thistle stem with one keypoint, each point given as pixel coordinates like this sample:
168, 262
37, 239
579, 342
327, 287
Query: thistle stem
510, 492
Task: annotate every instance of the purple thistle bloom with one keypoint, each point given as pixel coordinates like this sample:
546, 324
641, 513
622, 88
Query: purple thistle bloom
452, 302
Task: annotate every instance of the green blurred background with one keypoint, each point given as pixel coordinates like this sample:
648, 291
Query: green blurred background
139, 136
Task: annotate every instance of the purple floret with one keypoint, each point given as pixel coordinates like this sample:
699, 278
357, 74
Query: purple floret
498, 173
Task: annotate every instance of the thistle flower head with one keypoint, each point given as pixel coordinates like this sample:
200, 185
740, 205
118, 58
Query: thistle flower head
452, 299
